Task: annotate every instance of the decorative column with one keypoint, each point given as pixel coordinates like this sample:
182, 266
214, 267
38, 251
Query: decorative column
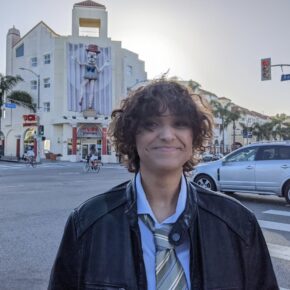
74, 139
104, 141
18, 146
35, 147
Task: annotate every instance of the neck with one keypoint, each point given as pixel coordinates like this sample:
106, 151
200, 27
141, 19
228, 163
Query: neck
162, 192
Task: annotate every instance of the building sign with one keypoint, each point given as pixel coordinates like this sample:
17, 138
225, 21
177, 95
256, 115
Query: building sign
29, 120
285, 77
10, 105
89, 131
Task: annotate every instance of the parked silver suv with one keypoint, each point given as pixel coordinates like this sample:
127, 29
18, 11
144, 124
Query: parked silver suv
262, 168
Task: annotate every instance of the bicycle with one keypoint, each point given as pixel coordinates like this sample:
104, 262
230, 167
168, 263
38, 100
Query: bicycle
93, 166
30, 161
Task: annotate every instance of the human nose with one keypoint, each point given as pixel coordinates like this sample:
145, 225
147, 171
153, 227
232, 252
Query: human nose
167, 133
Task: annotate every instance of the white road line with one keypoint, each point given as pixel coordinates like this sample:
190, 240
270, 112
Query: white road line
277, 212
274, 226
283, 288
280, 252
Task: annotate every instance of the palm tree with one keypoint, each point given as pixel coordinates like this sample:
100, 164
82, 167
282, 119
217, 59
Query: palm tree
262, 131
6, 84
225, 114
22, 98
278, 123
285, 132
235, 115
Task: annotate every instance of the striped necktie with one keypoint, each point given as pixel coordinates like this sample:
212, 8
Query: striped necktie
168, 270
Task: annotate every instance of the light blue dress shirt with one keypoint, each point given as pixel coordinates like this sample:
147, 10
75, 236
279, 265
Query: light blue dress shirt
147, 238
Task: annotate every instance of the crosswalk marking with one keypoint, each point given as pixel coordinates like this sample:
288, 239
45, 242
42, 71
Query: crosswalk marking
274, 226
280, 252
277, 212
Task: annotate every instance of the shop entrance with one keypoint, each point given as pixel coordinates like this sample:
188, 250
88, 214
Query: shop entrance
29, 139
92, 147
90, 136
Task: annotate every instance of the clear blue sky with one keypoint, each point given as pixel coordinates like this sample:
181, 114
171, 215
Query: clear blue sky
218, 43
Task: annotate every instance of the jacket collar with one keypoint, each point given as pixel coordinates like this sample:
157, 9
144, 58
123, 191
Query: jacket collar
182, 224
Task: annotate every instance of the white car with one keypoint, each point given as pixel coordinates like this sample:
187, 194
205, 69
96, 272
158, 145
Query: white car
262, 168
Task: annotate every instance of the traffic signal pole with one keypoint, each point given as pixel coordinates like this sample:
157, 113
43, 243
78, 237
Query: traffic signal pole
266, 70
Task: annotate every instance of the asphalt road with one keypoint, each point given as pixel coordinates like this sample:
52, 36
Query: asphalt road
35, 203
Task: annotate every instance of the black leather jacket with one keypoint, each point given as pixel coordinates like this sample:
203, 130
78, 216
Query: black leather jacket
101, 246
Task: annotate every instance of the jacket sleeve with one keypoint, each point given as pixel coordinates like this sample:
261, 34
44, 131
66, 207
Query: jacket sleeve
260, 273
64, 274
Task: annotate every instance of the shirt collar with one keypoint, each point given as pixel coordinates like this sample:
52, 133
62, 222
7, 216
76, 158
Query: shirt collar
143, 206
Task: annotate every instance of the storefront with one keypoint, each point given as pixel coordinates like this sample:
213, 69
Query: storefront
90, 140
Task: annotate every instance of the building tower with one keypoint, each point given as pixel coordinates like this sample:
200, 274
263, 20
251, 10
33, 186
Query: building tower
89, 17
12, 38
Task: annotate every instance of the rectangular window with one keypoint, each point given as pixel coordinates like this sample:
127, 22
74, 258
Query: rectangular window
33, 61
46, 107
46, 58
33, 85
46, 83
20, 50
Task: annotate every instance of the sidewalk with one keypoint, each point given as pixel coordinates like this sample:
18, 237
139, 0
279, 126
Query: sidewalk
9, 159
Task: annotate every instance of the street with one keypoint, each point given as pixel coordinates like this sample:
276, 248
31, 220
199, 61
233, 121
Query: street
35, 203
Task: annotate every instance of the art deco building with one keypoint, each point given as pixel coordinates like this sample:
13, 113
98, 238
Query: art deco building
75, 82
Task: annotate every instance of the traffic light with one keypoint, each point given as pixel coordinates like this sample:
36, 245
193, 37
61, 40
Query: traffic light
266, 69
41, 130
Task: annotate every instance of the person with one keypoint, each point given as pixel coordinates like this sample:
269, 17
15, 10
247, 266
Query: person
160, 231
29, 154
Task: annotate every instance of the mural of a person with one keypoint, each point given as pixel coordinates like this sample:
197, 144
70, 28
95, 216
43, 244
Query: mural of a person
91, 73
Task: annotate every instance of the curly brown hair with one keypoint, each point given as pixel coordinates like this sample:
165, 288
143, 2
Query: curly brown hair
152, 100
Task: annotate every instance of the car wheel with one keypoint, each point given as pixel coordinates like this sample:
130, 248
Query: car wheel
205, 181
287, 192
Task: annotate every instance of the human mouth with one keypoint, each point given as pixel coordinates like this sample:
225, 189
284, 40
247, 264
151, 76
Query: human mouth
167, 148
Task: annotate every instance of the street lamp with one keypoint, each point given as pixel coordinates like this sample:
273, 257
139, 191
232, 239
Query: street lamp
38, 107
38, 84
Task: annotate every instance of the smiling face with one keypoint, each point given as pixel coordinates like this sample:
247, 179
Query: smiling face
164, 143
91, 58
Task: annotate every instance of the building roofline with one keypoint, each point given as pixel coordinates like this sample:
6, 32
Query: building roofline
39, 23
89, 3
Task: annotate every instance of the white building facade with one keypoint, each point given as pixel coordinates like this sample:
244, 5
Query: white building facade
75, 81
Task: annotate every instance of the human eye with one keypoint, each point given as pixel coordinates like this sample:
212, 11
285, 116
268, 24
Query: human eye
181, 124
149, 125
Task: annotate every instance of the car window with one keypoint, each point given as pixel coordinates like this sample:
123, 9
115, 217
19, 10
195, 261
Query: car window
283, 153
247, 154
266, 153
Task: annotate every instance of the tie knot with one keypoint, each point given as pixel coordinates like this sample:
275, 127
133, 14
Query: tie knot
161, 238
160, 234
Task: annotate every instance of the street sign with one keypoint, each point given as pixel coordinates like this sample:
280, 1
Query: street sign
266, 69
10, 105
285, 77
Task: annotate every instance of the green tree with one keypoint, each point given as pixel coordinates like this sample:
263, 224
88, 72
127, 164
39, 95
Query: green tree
234, 116
262, 131
226, 115
6, 85
278, 125
285, 132
22, 98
